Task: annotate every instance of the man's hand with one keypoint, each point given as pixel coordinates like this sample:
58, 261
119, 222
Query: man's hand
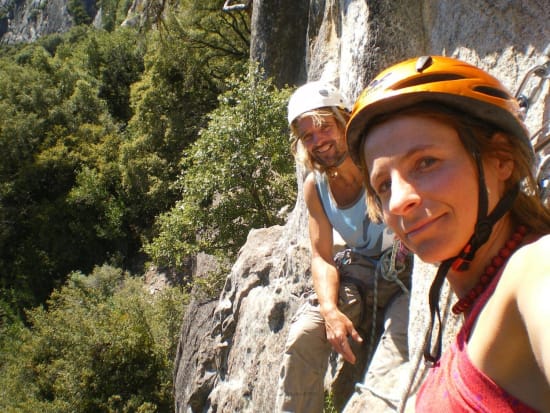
339, 328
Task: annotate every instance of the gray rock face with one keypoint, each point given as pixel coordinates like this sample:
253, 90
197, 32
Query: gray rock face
27, 20
230, 351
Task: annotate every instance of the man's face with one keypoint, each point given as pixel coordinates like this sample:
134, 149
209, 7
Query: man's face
323, 140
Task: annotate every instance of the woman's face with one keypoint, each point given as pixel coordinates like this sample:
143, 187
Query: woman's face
427, 184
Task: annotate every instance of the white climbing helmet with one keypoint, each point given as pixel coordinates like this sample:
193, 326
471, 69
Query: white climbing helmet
314, 95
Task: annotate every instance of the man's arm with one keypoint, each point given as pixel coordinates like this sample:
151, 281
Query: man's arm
325, 275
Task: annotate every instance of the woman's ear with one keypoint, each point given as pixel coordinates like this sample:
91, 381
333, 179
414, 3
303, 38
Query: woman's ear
503, 160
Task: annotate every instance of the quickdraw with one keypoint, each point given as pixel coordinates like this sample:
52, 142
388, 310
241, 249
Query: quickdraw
528, 92
526, 97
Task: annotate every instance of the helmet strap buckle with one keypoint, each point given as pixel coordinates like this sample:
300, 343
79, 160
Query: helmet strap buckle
464, 259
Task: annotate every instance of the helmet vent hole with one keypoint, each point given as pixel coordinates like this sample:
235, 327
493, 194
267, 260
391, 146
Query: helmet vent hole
486, 90
425, 79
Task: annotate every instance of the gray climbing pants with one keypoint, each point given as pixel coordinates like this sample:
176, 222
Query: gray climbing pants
301, 386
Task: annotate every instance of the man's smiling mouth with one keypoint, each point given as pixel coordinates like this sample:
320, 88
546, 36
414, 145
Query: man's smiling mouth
323, 148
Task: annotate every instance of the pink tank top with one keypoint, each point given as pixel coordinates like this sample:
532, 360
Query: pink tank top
455, 385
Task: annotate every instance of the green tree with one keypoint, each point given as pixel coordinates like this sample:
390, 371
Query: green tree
116, 60
92, 127
236, 176
77, 9
103, 344
32, 116
60, 200
169, 104
218, 41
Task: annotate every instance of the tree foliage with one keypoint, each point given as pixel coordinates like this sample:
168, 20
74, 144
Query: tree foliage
169, 103
59, 132
236, 176
98, 130
108, 137
93, 125
219, 42
103, 344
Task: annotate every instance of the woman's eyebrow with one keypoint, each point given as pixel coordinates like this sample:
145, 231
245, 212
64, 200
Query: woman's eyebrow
410, 153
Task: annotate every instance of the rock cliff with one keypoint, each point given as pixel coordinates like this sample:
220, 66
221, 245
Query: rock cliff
230, 350
27, 20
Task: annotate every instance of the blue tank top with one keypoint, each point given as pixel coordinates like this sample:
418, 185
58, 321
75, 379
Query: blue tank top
352, 222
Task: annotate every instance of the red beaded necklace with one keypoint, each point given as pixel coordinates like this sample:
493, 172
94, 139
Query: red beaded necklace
491, 270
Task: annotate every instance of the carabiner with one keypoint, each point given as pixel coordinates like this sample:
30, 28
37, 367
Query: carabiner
542, 71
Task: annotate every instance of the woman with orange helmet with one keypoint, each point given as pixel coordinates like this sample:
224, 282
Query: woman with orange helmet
447, 164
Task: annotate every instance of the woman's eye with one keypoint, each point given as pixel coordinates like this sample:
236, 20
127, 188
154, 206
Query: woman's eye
426, 162
383, 187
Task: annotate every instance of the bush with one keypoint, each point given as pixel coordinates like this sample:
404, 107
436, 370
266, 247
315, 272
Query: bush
103, 344
237, 176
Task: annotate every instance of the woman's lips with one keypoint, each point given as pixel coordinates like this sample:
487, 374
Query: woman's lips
420, 228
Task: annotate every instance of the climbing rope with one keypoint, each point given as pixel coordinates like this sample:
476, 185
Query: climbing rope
398, 262
389, 267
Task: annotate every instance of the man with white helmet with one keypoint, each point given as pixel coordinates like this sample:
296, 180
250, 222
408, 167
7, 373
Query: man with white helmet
341, 315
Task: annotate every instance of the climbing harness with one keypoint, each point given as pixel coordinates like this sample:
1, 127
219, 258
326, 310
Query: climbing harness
393, 265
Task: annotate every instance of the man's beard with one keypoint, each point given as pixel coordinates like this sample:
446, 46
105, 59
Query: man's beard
333, 162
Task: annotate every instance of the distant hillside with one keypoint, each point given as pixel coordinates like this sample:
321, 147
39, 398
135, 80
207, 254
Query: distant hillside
28, 20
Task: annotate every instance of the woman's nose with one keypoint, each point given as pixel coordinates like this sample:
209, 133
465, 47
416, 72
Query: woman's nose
404, 196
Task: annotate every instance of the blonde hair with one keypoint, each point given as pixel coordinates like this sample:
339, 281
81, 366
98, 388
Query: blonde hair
318, 115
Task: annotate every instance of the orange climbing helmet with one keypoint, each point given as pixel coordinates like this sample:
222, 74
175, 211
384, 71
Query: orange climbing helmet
438, 79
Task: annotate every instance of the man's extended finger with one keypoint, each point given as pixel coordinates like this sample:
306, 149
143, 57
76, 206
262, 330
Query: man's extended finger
346, 352
356, 336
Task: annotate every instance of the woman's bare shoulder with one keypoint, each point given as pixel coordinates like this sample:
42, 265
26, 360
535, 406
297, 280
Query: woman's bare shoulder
537, 253
530, 269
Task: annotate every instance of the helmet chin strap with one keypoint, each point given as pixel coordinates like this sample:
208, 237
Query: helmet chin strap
461, 262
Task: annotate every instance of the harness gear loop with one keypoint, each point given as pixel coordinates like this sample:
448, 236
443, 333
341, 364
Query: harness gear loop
389, 266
